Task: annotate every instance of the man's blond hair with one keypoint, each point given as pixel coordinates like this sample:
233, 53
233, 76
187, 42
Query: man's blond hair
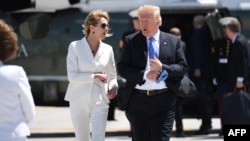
151, 8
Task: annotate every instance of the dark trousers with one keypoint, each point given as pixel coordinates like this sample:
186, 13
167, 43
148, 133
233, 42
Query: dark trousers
204, 102
151, 117
178, 115
223, 89
112, 106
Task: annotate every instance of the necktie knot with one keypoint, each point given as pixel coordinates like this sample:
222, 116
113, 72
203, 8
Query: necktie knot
151, 39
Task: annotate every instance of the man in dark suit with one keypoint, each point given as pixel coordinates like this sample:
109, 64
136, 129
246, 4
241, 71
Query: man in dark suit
180, 101
148, 102
200, 61
135, 27
238, 54
232, 70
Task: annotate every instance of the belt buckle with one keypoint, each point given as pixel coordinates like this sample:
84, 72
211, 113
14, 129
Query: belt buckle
148, 92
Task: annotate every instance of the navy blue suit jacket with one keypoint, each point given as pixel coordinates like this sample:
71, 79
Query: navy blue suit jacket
200, 54
133, 59
237, 63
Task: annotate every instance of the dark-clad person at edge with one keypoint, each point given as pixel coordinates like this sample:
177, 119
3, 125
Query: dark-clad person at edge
179, 101
200, 67
231, 72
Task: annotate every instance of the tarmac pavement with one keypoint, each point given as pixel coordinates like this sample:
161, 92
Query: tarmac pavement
54, 123
210, 137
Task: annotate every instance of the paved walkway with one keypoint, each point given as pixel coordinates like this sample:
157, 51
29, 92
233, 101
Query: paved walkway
56, 120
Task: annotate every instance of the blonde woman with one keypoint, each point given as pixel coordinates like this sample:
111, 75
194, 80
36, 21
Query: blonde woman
92, 78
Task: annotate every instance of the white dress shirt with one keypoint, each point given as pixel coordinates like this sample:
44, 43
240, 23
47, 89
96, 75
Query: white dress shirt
152, 85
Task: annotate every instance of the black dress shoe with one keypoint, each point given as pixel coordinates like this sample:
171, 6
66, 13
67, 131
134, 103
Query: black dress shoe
180, 135
203, 131
221, 134
111, 119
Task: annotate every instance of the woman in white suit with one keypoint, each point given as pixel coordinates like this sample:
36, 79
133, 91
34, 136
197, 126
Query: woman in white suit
17, 108
92, 78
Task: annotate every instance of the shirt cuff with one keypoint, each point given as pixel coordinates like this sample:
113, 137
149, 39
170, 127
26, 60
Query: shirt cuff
163, 76
145, 75
240, 79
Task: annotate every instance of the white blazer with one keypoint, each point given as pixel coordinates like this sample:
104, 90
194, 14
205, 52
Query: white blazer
81, 66
17, 108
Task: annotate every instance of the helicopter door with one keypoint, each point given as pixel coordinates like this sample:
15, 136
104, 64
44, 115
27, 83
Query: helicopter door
212, 20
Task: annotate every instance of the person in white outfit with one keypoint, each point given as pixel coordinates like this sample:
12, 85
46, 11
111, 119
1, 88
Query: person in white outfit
17, 108
92, 78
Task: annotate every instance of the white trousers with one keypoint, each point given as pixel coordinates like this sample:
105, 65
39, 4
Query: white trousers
85, 117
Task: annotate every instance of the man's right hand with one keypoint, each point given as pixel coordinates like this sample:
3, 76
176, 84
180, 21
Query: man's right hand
153, 75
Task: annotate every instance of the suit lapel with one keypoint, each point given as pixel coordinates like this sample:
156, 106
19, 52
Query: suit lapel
163, 45
88, 52
100, 50
144, 45
86, 49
